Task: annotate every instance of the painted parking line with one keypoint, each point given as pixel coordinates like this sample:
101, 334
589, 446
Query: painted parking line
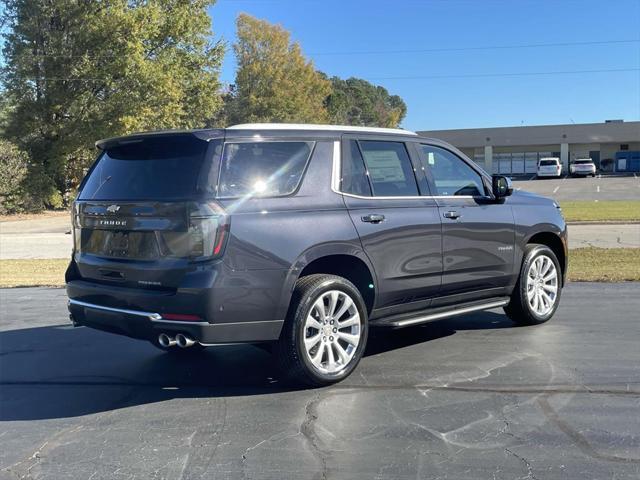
598, 188
533, 176
556, 189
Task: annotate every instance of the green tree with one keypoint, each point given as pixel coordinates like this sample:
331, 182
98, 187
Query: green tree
76, 71
357, 102
274, 81
13, 169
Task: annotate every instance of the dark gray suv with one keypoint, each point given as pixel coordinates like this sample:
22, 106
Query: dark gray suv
303, 236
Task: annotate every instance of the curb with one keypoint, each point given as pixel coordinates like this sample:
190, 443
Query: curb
604, 222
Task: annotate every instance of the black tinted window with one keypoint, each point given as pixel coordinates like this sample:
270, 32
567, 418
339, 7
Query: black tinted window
354, 174
152, 169
451, 174
389, 169
262, 168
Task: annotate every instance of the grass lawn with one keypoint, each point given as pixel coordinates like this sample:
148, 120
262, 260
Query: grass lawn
606, 211
32, 273
34, 216
604, 264
585, 265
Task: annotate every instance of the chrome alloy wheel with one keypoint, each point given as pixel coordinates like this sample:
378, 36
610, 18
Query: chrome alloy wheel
542, 285
332, 331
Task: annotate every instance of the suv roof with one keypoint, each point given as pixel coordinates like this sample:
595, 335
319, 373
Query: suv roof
323, 128
208, 133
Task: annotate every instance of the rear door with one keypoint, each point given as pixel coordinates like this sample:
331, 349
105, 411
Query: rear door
398, 226
139, 217
478, 234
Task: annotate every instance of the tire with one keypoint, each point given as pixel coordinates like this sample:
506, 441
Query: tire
329, 357
520, 309
177, 351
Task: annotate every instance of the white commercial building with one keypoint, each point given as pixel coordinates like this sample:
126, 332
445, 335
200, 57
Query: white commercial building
614, 145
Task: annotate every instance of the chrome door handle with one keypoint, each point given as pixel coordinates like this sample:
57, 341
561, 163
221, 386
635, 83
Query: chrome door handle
452, 214
373, 218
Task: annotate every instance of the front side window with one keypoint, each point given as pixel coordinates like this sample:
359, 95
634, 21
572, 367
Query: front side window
389, 169
451, 175
263, 169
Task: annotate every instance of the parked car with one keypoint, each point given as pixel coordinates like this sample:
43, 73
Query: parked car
302, 236
582, 166
549, 167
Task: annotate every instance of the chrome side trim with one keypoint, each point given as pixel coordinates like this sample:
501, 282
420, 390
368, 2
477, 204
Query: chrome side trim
150, 315
154, 317
157, 318
449, 313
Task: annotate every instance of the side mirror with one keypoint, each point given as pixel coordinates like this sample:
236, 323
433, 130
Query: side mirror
502, 186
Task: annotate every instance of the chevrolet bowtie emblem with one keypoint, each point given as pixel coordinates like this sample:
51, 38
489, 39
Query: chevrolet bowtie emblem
113, 208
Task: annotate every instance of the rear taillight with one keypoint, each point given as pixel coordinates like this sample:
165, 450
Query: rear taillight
75, 227
208, 231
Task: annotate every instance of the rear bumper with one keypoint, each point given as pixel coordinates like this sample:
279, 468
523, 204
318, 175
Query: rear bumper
148, 325
549, 174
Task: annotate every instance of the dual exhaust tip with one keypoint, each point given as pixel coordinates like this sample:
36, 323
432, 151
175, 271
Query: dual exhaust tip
180, 340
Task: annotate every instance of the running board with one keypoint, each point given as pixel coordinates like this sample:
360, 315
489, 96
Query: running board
422, 317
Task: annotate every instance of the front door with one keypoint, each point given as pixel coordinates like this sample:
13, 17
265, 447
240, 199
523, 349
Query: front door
478, 235
400, 230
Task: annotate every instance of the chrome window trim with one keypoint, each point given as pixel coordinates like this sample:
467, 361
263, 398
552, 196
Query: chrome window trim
335, 182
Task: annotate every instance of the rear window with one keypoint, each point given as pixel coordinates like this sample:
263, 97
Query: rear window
264, 169
168, 168
546, 163
582, 162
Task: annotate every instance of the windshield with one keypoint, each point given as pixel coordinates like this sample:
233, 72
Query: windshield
163, 168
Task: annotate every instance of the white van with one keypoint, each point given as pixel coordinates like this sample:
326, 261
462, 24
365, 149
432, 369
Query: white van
549, 167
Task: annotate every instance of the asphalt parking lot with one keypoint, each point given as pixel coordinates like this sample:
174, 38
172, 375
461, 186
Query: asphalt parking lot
582, 188
472, 397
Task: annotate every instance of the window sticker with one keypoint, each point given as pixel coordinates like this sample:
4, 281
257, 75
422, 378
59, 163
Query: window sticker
384, 166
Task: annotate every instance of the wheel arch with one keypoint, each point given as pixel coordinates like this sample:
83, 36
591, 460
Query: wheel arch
556, 244
344, 260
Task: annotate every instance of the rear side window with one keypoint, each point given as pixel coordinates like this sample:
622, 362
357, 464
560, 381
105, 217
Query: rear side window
265, 169
389, 169
163, 168
354, 175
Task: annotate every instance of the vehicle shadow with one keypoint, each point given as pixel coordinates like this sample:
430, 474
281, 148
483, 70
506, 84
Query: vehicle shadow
61, 371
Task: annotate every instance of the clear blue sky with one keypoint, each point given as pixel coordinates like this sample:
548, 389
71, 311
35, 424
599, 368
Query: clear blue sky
328, 30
